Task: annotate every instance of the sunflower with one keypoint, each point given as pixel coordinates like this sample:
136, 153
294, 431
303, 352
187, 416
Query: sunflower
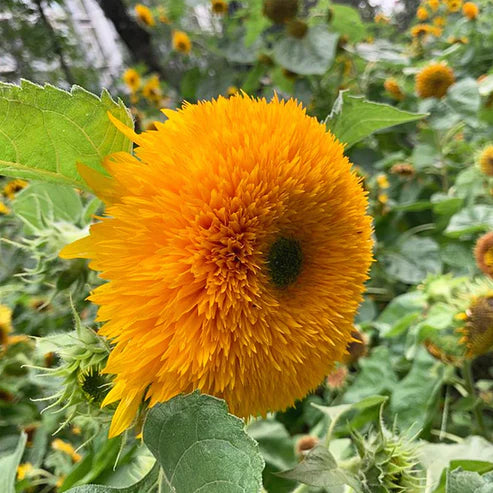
422, 14
152, 91
420, 30
66, 448
439, 21
132, 79
486, 161
433, 4
181, 42
144, 15
434, 80
14, 186
477, 333
383, 181
280, 11
483, 252
392, 87
453, 5
470, 10
219, 6
236, 245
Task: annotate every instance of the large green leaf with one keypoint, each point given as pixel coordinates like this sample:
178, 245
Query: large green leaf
45, 131
459, 481
470, 220
312, 54
346, 20
201, 447
8, 466
353, 118
148, 484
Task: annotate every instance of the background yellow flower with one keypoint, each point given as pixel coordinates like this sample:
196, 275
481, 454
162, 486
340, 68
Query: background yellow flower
144, 15
434, 80
181, 42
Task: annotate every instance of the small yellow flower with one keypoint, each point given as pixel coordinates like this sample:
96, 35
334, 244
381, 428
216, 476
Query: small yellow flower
163, 16
420, 30
434, 80
383, 181
5, 324
486, 160
14, 186
422, 14
392, 87
219, 7
3, 208
483, 252
381, 19
470, 10
66, 448
152, 90
383, 198
24, 470
454, 5
181, 42
76, 430
462, 40
60, 481
132, 79
144, 15
433, 4
439, 21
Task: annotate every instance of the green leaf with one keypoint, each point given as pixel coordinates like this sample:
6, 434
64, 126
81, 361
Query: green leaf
353, 118
202, 447
45, 131
415, 399
319, 468
412, 260
346, 20
463, 97
312, 54
471, 220
459, 481
8, 466
148, 484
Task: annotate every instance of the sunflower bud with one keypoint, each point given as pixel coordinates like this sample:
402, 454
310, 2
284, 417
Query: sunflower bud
389, 461
405, 170
280, 11
305, 444
83, 354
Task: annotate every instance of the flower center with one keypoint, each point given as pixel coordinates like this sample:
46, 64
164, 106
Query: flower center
284, 261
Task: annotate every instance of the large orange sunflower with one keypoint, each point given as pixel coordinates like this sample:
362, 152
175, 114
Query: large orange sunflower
434, 80
236, 244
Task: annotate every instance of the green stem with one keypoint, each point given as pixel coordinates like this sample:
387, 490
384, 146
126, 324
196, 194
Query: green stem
469, 382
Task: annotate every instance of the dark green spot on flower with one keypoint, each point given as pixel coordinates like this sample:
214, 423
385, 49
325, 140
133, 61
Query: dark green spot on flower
284, 261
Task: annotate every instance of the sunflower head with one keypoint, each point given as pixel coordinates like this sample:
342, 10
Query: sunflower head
280, 11
483, 252
219, 7
453, 5
132, 79
477, 332
422, 14
297, 28
392, 87
241, 274
434, 80
152, 90
433, 4
381, 19
486, 161
420, 31
470, 10
14, 186
181, 42
144, 15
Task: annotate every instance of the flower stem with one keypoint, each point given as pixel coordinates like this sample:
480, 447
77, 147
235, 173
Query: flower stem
477, 409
